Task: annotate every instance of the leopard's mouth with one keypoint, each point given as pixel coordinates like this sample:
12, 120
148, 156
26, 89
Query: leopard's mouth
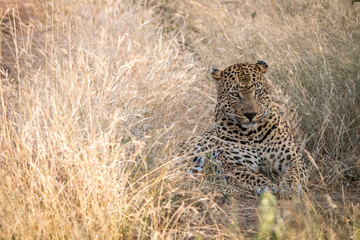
246, 123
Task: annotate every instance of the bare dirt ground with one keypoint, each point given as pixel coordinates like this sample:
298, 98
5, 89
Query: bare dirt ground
244, 211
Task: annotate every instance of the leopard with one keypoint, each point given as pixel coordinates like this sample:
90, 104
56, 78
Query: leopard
253, 139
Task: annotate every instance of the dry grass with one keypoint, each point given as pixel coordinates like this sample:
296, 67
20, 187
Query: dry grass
105, 91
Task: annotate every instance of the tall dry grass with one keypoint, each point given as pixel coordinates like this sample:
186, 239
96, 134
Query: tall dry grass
105, 91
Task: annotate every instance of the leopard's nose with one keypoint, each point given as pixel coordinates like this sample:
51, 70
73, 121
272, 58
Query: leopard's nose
250, 115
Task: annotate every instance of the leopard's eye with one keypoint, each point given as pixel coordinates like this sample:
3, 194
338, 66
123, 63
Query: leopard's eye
258, 91
235, 95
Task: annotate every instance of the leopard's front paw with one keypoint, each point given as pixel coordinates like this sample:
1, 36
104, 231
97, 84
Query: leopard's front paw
198, 163
288, 190
261, 190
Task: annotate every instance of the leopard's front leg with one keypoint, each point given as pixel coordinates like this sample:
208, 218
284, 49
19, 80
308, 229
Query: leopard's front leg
297, 175
251, 180
197, 149
247, 178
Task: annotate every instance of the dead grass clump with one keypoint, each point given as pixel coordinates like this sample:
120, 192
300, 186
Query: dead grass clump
87, 131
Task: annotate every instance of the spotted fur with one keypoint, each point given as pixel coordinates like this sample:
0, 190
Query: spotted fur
251, 134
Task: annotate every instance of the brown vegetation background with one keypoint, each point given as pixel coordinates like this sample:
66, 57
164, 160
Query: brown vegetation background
96, 96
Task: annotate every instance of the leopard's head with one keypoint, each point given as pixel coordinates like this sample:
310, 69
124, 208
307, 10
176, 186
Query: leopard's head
243, 92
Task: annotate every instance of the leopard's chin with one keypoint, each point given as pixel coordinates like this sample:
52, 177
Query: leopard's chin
249, 125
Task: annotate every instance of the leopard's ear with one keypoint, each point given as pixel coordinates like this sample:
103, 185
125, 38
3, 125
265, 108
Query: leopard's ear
215, 73
263, 66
